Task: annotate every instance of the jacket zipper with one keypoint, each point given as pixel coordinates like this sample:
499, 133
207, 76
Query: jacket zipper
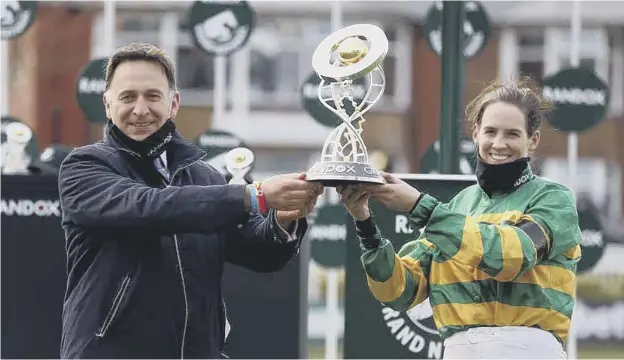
186, 307
179, 259
112, 312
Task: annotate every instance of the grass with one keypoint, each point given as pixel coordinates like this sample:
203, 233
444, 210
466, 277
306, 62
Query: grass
612, 351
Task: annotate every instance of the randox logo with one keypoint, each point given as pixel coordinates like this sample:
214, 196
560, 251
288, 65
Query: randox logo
27, 207
524, 178
592, 238
17, 16
218, 140
155, 148
415, 330
331, 232
576, 96
91, 86
346, 168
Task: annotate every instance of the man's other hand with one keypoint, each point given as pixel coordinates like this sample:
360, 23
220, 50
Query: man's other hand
292, 193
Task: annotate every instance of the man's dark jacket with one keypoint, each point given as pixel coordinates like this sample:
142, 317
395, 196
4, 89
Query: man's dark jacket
145, 258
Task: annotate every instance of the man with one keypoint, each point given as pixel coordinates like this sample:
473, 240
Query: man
149, 226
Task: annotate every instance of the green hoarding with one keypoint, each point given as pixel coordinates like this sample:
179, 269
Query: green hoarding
373, 331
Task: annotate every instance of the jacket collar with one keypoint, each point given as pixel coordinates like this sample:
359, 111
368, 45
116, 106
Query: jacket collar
526, 176
180, 152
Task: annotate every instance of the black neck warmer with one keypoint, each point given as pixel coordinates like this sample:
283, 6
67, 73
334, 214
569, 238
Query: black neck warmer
152, 146
503, 177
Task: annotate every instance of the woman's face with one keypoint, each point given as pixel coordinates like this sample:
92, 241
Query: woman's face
502, 135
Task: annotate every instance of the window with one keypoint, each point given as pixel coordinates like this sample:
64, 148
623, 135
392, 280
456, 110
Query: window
137, 20
273, 65
589, 64
389, 67
594, 49
543, 52
195, 69
133, 26
533, 69
532, 57
281, 59
271, 161
531, 53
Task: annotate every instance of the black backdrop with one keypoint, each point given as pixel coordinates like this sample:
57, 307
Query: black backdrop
268, 312
33, 271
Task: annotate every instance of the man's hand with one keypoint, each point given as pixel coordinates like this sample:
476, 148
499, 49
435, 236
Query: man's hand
291, 193
355, 199
286, 217
396, 194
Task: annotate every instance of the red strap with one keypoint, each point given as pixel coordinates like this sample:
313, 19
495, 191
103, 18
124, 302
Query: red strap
262, 205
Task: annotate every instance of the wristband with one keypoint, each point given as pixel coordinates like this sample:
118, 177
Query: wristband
367, 233
262, 205
253, 197
422, 194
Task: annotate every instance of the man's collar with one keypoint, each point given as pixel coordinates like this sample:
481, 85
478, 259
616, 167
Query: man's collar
180, 151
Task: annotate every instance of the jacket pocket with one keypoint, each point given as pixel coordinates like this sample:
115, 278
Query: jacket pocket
115, 306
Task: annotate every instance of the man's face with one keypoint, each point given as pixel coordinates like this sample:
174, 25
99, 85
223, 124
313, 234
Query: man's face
139, 100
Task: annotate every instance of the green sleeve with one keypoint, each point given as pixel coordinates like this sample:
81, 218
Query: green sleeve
503, 251
399, 281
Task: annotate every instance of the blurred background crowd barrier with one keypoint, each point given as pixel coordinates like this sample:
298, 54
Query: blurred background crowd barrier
245, 75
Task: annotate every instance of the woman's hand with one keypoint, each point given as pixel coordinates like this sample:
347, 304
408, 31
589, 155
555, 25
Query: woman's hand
396, 194
355, 200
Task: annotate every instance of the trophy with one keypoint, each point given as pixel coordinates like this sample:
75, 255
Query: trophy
348, 54
238, 163
14, 157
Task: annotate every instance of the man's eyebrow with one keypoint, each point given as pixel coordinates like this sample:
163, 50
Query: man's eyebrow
125, 92
152, 91
149, 91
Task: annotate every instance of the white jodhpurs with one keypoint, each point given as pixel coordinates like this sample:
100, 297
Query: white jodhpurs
507, 342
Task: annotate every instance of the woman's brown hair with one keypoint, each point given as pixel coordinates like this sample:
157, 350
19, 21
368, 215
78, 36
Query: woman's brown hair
523, 93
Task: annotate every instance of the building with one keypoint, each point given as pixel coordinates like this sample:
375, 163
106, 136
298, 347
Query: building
263, 105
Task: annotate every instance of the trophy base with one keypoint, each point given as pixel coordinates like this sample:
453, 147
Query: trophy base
333, 173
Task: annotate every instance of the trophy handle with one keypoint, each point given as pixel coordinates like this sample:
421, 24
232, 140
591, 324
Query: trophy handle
347, 120
338, 99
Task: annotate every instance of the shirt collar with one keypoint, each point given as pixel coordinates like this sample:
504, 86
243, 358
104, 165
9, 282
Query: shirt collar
163, 157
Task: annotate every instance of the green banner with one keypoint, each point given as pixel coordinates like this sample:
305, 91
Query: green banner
17, 17
54, 155
594, 238
477, 28
373, 331
220, 28
217, 143
580, 97
313, 106
430, 163
328, 231
90, 88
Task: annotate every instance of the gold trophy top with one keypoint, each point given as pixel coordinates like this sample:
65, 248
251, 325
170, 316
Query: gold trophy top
358, 49
351, 50
240, 159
